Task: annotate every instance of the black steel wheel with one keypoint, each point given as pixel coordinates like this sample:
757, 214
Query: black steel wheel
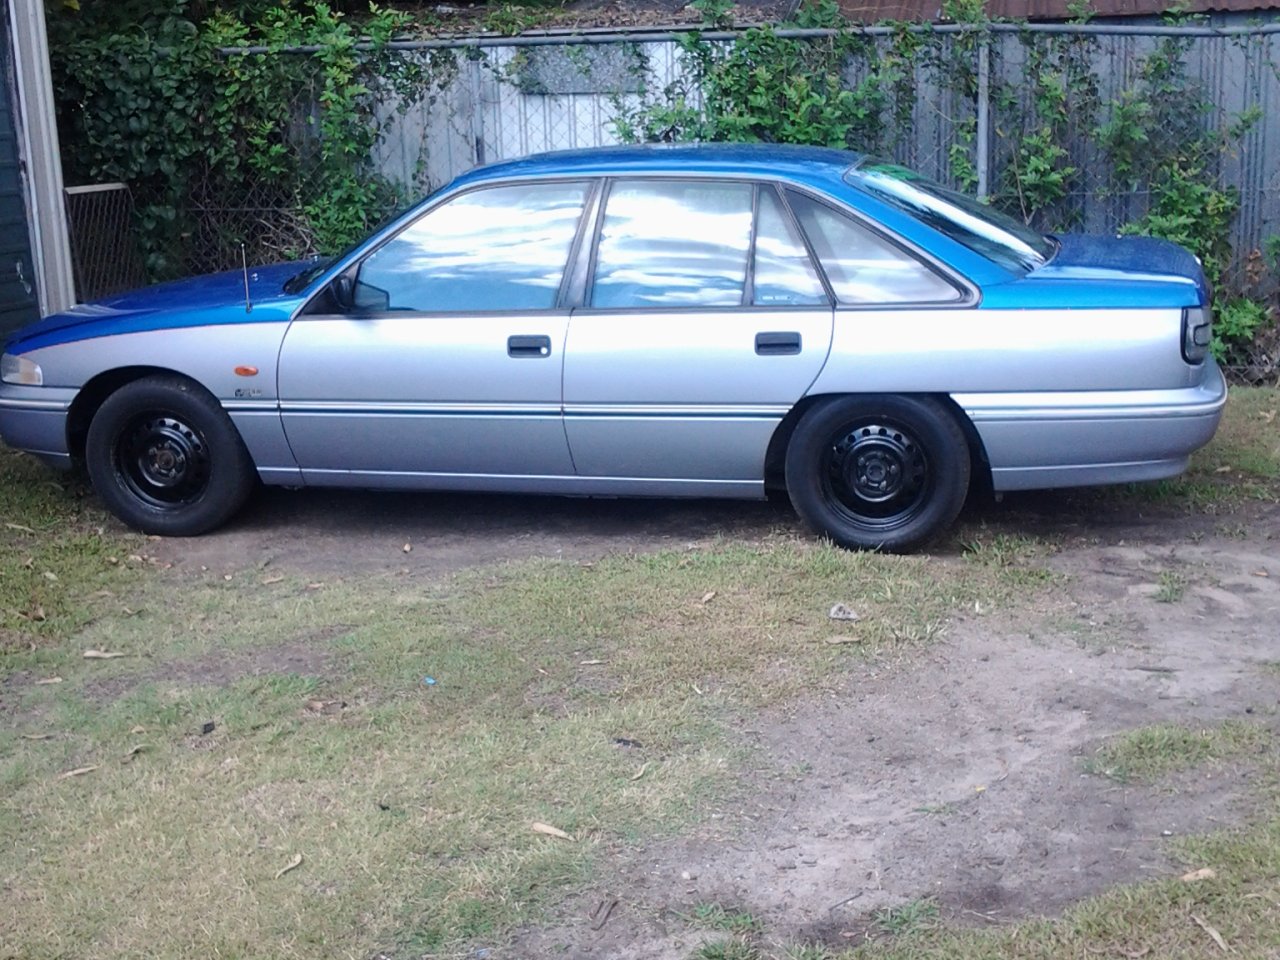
878, 472
165, 458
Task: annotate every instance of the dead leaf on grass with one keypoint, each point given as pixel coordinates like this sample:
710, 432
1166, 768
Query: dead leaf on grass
51, 576
48, 680
842, 612
707, 597
1204, 873
267, 581
291, 865
1217, 937
408, 547
37, 736
103, 655
590, 663
77, 772
833, 641
1261, 573
549, 831
138, 729
326, 706
640, 772
21, 528
1222, 470
134, 751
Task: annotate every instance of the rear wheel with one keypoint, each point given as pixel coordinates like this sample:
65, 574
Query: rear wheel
165, 458
878, 471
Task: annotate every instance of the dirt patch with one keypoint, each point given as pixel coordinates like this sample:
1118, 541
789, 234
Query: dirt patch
961, 778
306, 656
345, 531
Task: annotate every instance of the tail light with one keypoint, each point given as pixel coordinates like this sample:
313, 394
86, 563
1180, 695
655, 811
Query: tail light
1197, 331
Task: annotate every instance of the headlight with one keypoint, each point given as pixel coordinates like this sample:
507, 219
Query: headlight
20, 370
1197, 331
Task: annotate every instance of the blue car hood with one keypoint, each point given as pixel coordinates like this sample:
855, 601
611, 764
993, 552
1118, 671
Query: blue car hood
1082, 256
219, 295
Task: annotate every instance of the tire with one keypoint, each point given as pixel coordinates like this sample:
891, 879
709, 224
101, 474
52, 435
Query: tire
878, 472
165, 458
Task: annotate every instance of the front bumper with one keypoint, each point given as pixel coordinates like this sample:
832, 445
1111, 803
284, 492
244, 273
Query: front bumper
1067, 439
34, 419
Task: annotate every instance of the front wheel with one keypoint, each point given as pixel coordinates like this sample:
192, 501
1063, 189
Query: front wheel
165, 458
878, 472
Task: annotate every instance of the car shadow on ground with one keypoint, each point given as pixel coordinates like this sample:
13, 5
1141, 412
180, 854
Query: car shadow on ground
333, 530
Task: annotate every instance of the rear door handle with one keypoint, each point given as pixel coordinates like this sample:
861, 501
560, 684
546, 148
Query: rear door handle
777, 344
528, 346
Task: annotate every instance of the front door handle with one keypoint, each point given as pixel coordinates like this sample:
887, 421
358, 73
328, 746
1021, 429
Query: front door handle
777, 344
528, 346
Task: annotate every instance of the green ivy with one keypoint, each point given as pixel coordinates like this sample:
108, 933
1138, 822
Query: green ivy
155, 104
767, 88
1235, 326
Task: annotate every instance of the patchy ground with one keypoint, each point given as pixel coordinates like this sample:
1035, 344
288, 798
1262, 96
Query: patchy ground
958, 777
325, 532
331, 726
961, 778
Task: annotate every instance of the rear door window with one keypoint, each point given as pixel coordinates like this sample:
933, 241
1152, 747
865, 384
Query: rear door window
863, 267
673, 243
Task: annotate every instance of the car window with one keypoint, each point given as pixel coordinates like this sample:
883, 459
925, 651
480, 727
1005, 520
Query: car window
863, 267
981, 228
503, 248
673, 244
783, 273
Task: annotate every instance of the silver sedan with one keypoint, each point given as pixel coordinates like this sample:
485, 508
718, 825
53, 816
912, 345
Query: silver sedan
682, 322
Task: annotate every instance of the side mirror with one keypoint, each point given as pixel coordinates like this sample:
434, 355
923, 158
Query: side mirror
344, 291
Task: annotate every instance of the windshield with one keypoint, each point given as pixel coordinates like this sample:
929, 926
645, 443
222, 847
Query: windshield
319, 264
304, 277
966, 220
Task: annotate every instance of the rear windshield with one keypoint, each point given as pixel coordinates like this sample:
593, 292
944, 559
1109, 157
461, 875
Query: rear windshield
982, 229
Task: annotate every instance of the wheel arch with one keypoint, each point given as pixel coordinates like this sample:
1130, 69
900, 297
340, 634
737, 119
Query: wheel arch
95, 391
775, 457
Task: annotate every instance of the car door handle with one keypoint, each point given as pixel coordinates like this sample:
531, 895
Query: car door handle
777, 344
528, 346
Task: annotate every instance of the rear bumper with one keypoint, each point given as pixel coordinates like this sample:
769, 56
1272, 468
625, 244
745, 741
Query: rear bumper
34, 419
1070, 439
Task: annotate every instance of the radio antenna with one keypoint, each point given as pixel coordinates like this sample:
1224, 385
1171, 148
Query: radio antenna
244, 265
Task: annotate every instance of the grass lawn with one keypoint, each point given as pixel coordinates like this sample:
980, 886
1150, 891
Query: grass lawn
274, 766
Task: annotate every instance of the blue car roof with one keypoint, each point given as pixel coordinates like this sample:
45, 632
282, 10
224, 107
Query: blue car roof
756, 159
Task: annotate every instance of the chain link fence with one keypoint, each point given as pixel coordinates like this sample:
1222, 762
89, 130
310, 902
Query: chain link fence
1072, 126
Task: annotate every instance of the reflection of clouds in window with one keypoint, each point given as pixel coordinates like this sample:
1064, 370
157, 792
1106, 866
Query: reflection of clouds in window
498, 249
674, 244
784, 274
981, 228
862, 266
